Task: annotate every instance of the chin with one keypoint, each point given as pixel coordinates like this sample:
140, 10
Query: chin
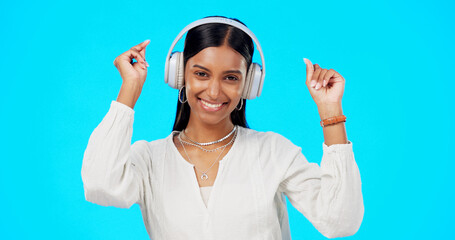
212, 119
212, 114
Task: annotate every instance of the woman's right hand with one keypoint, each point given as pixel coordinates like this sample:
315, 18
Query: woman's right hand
133, 74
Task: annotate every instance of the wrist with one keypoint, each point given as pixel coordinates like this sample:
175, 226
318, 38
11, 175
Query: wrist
132, 87
129, 93
330, 110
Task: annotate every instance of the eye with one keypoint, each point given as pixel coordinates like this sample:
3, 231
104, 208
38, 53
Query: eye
232, 78
200, 74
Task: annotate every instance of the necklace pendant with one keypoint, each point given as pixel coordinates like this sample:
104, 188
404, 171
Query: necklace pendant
204, 176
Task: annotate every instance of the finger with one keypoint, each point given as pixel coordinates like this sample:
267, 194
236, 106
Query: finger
146, 43
327, 76
142, 45
141, 58
320, 79
141, 48
127, 58
136, 55
336, 77
314, 79
138, 66
309, 70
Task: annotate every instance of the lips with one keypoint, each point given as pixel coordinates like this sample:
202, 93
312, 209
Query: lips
211, 106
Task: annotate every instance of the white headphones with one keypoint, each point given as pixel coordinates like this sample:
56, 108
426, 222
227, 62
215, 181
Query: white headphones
174, 69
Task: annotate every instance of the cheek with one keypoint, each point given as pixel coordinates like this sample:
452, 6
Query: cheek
240, 87
234, 92
191, 85
239, 91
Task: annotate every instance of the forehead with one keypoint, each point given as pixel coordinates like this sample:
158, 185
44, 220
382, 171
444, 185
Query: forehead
222, 58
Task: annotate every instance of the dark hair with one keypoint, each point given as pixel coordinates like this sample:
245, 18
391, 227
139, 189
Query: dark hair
214, 35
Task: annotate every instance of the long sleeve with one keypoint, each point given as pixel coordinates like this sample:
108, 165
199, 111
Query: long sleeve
112, 168
330, 196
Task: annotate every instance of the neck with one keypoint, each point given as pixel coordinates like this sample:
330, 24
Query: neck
202, 132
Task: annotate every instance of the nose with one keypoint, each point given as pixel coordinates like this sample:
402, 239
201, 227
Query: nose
214, 88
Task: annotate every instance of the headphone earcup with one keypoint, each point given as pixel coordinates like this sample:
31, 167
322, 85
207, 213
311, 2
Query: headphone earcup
176, 71
180, 72
253, 84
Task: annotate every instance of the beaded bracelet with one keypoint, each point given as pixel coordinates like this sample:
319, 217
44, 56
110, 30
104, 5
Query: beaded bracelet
333, 120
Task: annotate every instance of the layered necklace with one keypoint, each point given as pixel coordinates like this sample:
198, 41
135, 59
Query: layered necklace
201, 146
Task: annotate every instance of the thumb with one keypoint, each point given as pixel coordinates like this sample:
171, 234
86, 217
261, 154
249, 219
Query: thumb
309, 70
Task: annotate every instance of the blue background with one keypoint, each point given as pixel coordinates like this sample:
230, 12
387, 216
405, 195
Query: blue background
58, 79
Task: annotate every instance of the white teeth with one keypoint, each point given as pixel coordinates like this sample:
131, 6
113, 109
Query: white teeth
211, 105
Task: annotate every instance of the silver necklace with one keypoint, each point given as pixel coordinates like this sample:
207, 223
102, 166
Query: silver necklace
210, 143
202, 148
204, 175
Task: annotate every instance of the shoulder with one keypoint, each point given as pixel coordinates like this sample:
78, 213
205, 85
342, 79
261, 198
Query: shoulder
149, 144
266, 138
149, 153
274, 151
151, 147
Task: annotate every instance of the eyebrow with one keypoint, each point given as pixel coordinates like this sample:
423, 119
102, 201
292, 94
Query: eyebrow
228, 71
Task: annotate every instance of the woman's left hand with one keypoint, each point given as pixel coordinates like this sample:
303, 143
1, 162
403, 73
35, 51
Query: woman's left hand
326, 86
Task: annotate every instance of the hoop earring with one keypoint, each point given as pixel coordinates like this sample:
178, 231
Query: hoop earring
180, 93
241, 105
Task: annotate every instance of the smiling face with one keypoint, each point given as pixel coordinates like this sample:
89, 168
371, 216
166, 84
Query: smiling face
214, 80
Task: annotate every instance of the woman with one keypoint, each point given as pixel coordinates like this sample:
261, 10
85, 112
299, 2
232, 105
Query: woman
213, 177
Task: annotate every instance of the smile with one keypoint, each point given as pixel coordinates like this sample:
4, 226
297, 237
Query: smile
211, 106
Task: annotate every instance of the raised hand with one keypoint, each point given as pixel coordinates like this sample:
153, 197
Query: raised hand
133, 74
326, 86
129, 71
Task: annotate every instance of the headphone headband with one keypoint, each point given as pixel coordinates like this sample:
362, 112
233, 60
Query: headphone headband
216, 20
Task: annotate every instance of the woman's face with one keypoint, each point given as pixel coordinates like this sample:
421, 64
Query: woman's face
214, 80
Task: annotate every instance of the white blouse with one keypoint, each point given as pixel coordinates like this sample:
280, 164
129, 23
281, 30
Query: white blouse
205, 193
247, 198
